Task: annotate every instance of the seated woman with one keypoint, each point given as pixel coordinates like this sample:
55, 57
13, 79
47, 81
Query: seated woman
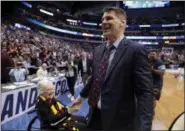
42, 71
51, 110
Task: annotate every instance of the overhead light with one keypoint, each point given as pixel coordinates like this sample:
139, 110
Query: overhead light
27, 4
46, 12
70, 20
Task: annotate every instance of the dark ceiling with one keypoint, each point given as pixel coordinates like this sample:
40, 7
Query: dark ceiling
72, 7
69, 6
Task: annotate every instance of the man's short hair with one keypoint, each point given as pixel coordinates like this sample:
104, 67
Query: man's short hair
118, 11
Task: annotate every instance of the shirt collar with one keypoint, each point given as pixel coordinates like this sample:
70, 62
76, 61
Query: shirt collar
116, 43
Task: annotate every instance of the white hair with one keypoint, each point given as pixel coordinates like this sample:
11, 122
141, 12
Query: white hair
43, 85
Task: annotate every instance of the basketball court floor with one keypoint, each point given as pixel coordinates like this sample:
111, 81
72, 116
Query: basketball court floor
171, 103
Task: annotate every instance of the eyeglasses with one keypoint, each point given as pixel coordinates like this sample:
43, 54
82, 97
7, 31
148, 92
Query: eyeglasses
49, 93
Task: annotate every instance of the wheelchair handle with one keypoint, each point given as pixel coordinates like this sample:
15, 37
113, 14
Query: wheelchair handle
56, 123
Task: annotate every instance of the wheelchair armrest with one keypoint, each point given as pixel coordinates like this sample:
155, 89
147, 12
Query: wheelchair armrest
56, 123
32, 111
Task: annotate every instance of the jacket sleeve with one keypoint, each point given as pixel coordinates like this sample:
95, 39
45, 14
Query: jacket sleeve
85, 91
143, 88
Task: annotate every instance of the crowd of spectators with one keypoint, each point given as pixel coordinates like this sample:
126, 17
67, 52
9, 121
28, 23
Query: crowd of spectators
171, 58
33, 48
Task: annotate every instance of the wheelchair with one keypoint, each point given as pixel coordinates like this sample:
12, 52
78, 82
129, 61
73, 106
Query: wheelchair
42, 126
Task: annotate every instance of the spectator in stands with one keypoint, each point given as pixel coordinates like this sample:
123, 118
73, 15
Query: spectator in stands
158, 71
35, 61
27, 61
181, 60
19, 74
42, 71
64, 63
71, 76
43, 53
51, 110
6, 64
85, 67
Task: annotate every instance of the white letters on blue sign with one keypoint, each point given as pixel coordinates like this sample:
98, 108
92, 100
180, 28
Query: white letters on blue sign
8, 107
15, 103
21, 101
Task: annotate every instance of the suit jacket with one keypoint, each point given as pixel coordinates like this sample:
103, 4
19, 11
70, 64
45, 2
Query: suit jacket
89, 67
126, 92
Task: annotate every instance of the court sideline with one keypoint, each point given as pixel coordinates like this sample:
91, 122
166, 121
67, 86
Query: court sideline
171, 103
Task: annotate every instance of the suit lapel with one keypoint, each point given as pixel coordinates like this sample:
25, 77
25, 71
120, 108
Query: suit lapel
99, 54
118, 54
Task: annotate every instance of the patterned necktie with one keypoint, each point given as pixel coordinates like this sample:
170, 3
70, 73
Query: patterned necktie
99, 78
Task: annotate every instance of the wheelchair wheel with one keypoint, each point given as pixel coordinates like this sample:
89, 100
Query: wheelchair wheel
32, 124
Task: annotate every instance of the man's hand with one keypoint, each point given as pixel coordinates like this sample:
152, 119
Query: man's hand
77, 103
72, 109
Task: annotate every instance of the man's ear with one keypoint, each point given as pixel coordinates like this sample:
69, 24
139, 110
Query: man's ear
123, 22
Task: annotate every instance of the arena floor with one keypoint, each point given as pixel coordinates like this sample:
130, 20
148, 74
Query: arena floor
171, 103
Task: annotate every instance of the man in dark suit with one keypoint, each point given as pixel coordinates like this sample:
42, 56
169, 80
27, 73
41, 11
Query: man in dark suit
71, 75
85, 67
120, 89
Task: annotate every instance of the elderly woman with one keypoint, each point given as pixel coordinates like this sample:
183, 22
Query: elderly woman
51, 110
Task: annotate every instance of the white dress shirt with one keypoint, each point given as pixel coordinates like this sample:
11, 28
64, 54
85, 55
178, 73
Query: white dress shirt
19, 74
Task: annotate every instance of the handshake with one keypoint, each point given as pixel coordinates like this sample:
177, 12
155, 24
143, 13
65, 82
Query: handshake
76, 104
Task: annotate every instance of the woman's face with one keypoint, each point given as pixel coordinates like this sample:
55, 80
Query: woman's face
49, 93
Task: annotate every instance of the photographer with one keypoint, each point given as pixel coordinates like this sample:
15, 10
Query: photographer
19, 73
